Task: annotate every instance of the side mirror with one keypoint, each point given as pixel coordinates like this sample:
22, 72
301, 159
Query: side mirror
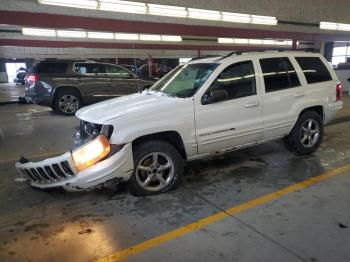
215, 95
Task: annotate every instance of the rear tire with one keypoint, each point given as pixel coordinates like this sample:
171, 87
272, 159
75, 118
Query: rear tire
158, 168
67, 102
306, 135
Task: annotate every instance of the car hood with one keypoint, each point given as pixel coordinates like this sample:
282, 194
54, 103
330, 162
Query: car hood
140, 103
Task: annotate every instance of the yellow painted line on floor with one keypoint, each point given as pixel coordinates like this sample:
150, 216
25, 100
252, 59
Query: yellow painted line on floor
156, 241
50, 154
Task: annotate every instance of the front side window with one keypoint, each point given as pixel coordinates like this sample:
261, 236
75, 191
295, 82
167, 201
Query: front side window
278, 74
117, 71
184, 80
314, 69
237, 80
89, 69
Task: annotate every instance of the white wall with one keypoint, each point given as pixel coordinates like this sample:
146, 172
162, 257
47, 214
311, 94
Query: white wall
343, 76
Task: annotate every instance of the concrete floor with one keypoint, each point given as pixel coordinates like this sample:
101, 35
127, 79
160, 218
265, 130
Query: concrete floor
10, 92
302, 226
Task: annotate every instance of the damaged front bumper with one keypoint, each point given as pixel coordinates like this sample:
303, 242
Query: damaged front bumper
60, 171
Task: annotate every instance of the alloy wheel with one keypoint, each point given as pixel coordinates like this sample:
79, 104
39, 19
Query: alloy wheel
154, 171
309, 133
68, 103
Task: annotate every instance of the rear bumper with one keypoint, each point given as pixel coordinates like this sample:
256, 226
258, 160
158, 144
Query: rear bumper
37, 94
120, 165
331, 111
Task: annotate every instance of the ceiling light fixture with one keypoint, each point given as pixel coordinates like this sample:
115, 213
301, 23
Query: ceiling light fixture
167, 10
100, 35
171, 38
123, 6
150, 37
334, 26
164, 10
86, 4
246, 41
71, 33
204, 14
38, 32
122, 36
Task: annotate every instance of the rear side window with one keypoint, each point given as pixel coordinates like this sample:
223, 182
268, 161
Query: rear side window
314, 69
278, 74
51, 68
89, 69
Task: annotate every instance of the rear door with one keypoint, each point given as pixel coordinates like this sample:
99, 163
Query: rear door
283, 93
93, 81
235, 121
123, 81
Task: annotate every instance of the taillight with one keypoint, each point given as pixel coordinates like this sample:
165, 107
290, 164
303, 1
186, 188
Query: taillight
33, 78
339, 91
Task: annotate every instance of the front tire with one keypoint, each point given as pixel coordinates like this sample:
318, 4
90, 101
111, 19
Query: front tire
67, 102
306, 135
158, 168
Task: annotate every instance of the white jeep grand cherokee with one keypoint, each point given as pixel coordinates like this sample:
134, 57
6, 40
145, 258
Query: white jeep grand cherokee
205, 107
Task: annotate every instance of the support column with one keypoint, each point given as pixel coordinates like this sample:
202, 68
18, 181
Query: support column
3, 73
150, 66
199, 53
328, 51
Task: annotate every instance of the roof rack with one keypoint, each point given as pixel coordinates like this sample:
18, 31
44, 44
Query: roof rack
261, 50
203, 57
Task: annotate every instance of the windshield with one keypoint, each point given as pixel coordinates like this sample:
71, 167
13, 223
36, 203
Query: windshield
184, 80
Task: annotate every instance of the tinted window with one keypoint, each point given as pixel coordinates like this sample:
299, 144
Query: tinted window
85, 68
314, 69
117, 71
238, 80
278, 74
51, 68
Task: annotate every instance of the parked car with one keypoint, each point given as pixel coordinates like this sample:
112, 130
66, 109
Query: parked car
20, 75
67, 85
205, 107
131, 68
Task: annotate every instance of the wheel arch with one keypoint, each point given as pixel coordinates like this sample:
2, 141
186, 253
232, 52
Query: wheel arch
172, 137
318, 109
66, 87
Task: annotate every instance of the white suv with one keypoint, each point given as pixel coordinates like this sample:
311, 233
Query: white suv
205, 107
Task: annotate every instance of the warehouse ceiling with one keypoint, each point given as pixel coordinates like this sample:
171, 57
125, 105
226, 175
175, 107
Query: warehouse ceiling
217, 26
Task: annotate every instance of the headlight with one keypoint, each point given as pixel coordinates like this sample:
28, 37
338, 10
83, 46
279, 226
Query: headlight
90, 153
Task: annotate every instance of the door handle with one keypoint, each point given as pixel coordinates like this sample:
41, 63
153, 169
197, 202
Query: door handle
251, 104
298, 95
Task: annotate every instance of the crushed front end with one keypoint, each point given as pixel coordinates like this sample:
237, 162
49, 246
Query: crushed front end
91, 163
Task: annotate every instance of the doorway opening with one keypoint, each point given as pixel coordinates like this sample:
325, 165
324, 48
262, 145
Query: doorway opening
11, 70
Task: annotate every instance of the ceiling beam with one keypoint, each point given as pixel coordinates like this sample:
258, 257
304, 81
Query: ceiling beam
151, 46
30, 19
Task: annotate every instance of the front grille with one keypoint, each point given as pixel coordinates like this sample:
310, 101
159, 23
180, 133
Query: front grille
48, 171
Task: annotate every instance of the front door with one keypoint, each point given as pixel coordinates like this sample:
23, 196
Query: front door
123, 81
93, 81
229, 114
